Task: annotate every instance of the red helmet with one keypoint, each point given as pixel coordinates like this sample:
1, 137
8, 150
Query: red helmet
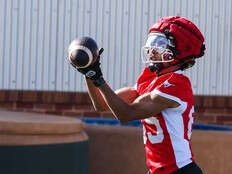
188, 40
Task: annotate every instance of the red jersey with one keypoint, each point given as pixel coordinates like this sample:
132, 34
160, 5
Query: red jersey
167, 135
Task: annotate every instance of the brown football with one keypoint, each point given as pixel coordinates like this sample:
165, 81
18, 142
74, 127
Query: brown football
83, 52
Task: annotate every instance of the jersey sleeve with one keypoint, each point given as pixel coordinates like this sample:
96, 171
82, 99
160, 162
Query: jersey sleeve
135, 86
176, 88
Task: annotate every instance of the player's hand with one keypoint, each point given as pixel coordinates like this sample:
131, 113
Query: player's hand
93, 71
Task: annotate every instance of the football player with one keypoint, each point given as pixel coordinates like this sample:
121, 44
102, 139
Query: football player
162, 97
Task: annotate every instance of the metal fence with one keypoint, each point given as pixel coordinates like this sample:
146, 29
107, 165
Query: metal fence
35, 34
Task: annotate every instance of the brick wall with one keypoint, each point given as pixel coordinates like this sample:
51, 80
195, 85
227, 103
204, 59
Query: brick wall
209, 109
213, 109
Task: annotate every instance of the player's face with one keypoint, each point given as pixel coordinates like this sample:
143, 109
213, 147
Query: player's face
156, 48
155, 56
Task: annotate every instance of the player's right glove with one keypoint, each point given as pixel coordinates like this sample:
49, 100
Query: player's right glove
93, 72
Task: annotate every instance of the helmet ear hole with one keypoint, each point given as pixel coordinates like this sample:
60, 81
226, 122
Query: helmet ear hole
170, 57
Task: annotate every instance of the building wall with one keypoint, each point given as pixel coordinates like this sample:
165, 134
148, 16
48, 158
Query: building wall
208, 109
34, 37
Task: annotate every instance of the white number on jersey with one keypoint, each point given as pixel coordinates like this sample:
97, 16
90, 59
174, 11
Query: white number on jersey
190, 123
158, 138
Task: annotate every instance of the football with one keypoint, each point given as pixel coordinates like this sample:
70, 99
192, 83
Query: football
83, 52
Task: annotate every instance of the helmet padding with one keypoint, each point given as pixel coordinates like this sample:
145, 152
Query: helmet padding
189, 41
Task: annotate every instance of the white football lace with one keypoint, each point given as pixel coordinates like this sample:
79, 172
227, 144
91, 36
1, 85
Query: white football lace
85, 49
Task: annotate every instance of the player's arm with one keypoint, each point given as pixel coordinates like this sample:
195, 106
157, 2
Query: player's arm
143, 106
147, 105
127, 94
95, 96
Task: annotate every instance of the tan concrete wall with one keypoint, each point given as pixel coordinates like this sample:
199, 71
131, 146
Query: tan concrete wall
21, 129
115, 150
120, 150
213, 151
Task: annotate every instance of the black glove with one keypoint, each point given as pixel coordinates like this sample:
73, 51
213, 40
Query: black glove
93, 71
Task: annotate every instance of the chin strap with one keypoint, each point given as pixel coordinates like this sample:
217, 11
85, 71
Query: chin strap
166, 67
155, 67
158, 68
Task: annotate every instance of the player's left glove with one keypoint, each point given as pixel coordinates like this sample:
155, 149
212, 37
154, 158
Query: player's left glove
94, 72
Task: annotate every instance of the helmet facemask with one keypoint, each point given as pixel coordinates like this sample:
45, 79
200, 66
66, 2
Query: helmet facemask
157, 43
184, 43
